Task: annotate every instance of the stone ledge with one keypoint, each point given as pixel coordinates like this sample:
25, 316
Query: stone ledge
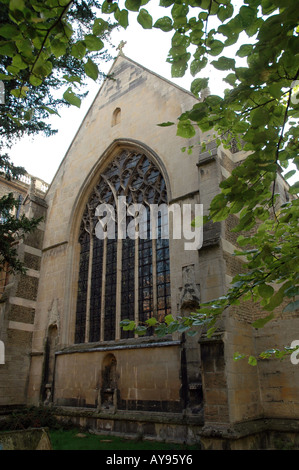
134, 343
247, 428
149, 416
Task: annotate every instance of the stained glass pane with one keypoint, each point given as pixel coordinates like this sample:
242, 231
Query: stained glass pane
128, 284
96, 290
133, 175
145, 275
82, 289
110, 290
163, 273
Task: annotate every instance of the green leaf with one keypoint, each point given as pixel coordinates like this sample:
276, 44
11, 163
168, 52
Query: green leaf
151, 321
259, 117
91, 69
294, 189
7, 48
168, 319
248, 15
261, 322
244, 50
161, 330
225, 12
72, 78
9, 31
166, 3
3, 76
93, 43
237, 356
216, 47
166, 124
179, 10
192, 333
224, 63
265, 291
43, 68
197, 65
140, 330
165, 24
127, 325
198, 112
20, 92
199, 84
185, 129
71, 98
252, 361
28, 115
145, 19
179, 67
277, 298
58, 47
17, 5
122, 16
18, 62
99, 26
50, 110
292, 291
133, 5
289, 174
78, 50
291, 307
34, 80
109, 7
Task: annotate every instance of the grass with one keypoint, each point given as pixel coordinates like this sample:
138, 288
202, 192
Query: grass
71, 440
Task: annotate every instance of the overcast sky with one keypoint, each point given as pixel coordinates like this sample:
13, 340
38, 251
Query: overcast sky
41, 155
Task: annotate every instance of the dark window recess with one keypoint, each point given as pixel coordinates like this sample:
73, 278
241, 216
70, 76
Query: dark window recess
128, 284
163, 274
96, 290
135, 176
110, 290
145, 276
82, 289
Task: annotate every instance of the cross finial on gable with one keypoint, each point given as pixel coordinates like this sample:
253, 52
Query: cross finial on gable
121, 46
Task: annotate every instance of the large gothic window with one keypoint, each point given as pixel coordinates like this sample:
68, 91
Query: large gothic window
125, 277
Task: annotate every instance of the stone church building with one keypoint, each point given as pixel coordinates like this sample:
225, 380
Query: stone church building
60, 323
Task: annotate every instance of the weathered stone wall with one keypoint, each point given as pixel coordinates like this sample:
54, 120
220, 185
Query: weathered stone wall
269, 389
147, 378
144, 100
18, 304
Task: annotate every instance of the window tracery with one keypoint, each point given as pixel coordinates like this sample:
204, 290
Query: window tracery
122, 278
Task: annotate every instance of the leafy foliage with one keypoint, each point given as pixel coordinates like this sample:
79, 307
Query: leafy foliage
45, 47
259, 111
42, 45
12, 230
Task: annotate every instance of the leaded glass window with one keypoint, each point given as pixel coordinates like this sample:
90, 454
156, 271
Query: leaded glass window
123, 276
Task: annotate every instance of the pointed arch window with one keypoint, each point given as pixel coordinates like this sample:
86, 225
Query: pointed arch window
123, 277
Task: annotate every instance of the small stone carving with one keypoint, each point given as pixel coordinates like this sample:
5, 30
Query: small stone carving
190, 293
53, 315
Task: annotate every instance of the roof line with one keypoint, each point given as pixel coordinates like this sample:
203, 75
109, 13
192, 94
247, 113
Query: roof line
120, 54
157, 75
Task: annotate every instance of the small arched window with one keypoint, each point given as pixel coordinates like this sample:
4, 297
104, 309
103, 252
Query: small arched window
123, 276
116, 116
